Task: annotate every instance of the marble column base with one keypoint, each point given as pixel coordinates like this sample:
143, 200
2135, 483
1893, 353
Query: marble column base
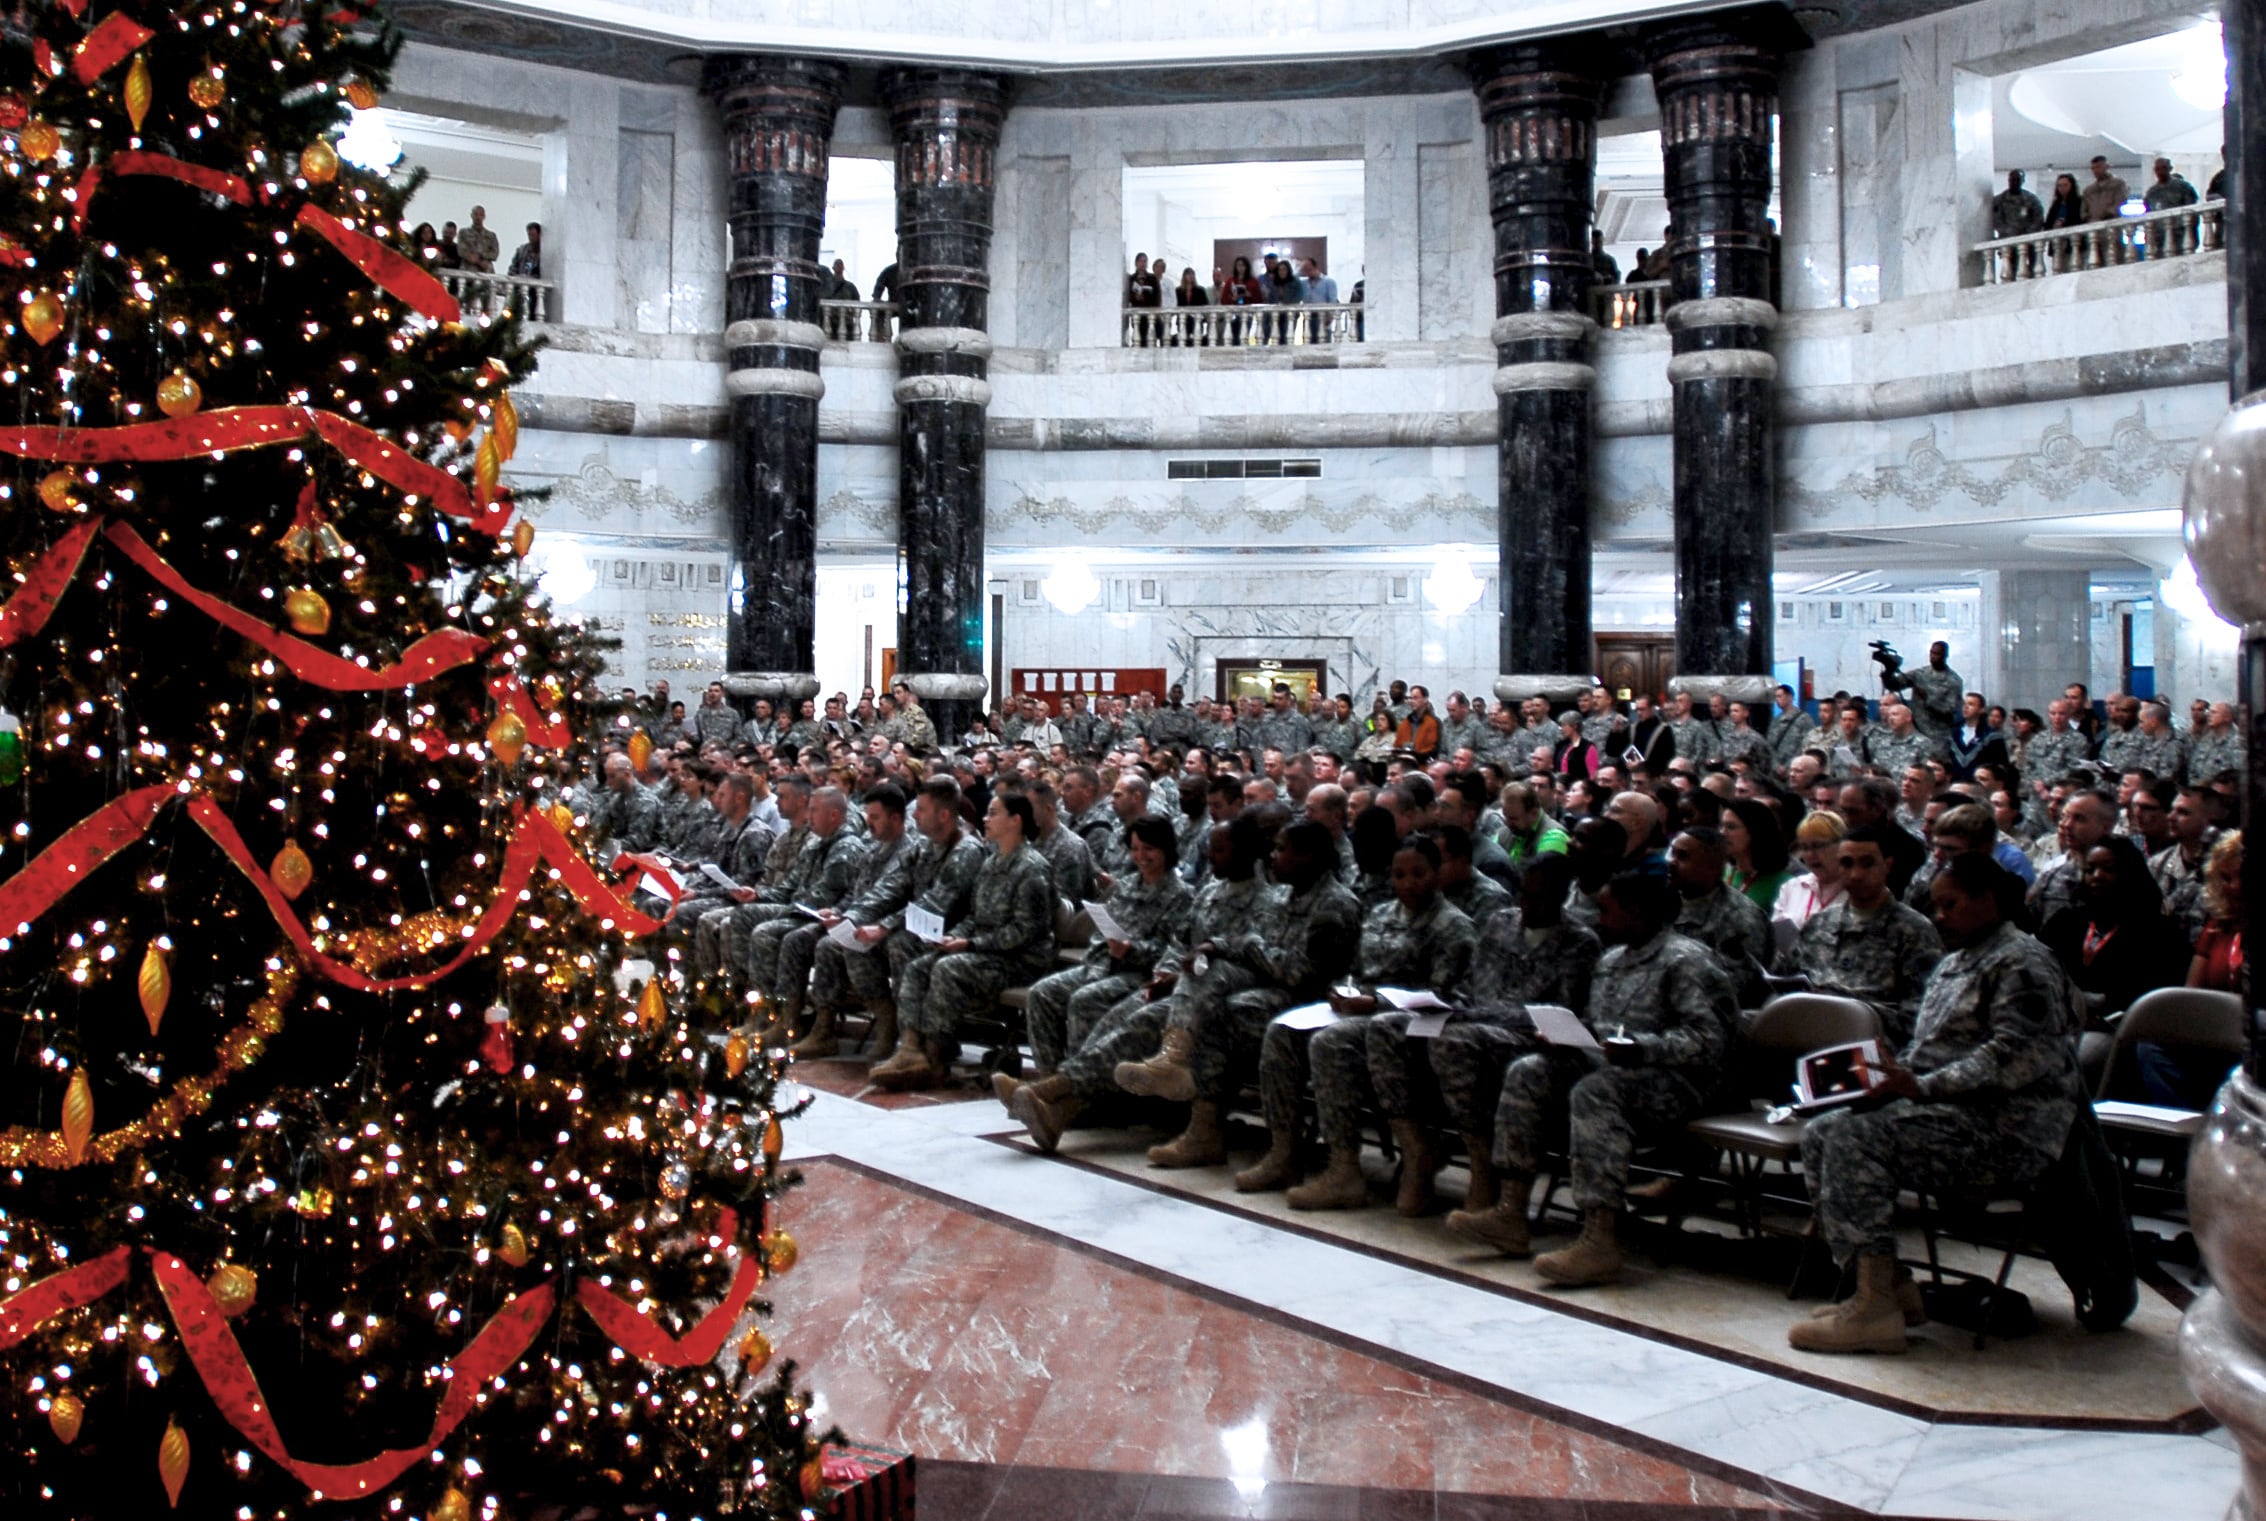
2227, 1371
945, 686
1751, 690
771, 684
1558, 691
2222, 1338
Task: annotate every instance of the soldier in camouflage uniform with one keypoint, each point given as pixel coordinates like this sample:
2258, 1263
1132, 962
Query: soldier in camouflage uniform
912, 726
1461, 729
2056, 750
2179, 867
1070, 866
820, 879
1867, 945
1669, 1012
1696, 739
1130, 800
683, 808
1897, 746
1525, 953
625, 811
737, 848
710, 939
1154, 908
2159, 747
1473, 894
1726, 922
1175, 724
883, 859
1982, 1098
716, 721
1334, 728
1087, 809
1790, 728
1936, 689
804, 732
1282, 727
1006, 940
2087, 819
1419, 940
939, 874
1740, 740
2218, 748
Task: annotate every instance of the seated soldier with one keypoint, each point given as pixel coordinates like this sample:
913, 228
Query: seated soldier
1419, 940
1475, 895
1303, 939
1981, 1098
1232, 901
1525, 953
1007, 938
828, 873
1153, 906
883, 862
711, 918
1865, 944
1725, 921
1666, 1011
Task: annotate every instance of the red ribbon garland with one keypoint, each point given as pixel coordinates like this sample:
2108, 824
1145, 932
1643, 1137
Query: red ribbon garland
220, 1362
26, 1310
230, 428
440, 651
101, 49
27, 612
47, 876
641, 1336
387, 268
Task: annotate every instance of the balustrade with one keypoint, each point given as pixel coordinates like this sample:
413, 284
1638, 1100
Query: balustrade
2096, 245
1638, 303
487, 295
1242, 326
858, 321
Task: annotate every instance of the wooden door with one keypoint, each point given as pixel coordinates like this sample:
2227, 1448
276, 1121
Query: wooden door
1635, 665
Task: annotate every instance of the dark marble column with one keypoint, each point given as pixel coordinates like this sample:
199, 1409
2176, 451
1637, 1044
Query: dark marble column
2245, 29
946, 123
1717, 82
778, 122
1538, 105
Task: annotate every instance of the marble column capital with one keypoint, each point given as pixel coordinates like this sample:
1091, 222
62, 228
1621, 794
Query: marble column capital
939, 686
1555, 690
1721, 311
765, 332
775, 382
1531, 327
1750, 690
970, 342
1723, 364
1544, 375
793, 685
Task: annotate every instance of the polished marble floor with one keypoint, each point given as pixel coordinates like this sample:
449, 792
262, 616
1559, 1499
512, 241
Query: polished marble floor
1061, 1337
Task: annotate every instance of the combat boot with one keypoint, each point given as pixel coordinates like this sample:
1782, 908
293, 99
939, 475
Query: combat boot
1869, 1320
1341, 1185
1485, 1184
820, 1041
909, 1056
1003, 1086
1502, 1225
1908, 1299
1419, 1165
1277, 1169
883, 1035
1165, 1075
1595, 1256
1200, 1145
1046, 1109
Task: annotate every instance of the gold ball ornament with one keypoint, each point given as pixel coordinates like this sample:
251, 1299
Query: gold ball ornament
233, 1287
640, 749
65, 1415
173, 1462
207, 90
755, 1352
306, 610
138, 91
155, 986
361, 94
507, 738
291, 869
561, 817
513, 1249
39, 141
78, 1117
452, 1506
59, 490
178, 395
43, 317
318, 163
736, 1053
779, 1252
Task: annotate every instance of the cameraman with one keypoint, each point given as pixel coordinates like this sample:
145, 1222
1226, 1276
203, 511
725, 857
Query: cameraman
1936, 688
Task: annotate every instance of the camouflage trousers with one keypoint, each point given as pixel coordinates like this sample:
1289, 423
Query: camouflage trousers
1062, 1010
939, 993
1857, 1163
843, 979
1468, 1059
1607, 1111
723, 941
680, 933
1337, 1060
779, 957
1131, 1030
1225, 1012
1455, 1074
1286, 1059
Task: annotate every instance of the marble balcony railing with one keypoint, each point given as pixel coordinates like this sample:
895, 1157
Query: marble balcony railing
1264, 327
858, 321
2096, 245
486, 295
1638, 303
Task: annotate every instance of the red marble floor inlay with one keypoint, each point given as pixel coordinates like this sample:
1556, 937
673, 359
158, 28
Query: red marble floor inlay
847, 1078
939, 1331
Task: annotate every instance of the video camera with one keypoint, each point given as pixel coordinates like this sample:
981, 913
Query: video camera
1885, 653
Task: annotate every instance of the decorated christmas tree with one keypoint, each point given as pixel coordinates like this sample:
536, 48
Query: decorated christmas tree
346, 1166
